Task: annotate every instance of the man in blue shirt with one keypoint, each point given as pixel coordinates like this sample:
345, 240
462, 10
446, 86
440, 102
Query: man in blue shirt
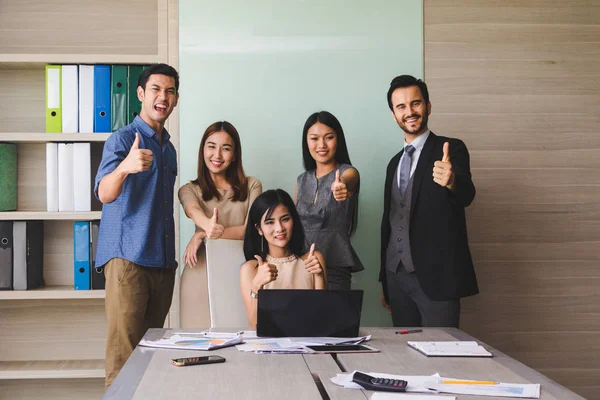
136, 242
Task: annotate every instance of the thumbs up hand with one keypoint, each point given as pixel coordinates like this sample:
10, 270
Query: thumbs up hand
137, 160
442, 170
338, 188
265, 273
312, 263
215, 230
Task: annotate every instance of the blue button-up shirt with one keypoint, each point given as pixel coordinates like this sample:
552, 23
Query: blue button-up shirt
138, 226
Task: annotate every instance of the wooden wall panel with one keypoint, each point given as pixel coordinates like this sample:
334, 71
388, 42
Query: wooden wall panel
519, 82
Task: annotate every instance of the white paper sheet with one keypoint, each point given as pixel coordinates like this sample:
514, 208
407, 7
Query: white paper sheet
400, 396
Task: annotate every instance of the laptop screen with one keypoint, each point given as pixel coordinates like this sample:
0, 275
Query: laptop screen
308, 313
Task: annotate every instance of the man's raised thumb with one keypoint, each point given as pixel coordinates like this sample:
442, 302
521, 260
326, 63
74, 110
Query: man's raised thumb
136, 142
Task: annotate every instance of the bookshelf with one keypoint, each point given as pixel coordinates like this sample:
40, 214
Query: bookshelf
53, 339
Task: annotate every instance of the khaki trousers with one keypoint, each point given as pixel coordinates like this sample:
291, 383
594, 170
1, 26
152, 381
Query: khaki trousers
137, 298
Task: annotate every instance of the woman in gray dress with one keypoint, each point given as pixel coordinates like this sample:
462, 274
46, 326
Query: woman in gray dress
326, 197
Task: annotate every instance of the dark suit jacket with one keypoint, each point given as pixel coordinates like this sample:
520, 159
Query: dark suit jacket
438, 231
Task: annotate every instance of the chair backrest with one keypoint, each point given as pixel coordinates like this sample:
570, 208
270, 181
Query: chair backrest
224, 258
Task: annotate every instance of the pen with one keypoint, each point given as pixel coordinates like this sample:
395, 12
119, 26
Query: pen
405, 331
450, 382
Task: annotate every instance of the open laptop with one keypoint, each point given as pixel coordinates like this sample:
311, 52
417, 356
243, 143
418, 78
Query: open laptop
308, 313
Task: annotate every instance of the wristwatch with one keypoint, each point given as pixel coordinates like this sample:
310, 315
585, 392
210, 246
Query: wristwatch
253, 295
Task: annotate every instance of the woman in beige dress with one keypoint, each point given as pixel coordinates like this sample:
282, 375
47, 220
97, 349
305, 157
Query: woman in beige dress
218, 202
274, 248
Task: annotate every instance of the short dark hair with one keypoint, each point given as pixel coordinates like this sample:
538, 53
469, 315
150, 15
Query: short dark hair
266, 203
158, 69
403, 81
234, 174
326, 118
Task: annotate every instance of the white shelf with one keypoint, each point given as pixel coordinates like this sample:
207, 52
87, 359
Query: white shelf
45, 215
34, 61
18, 137
51, 292
62, 369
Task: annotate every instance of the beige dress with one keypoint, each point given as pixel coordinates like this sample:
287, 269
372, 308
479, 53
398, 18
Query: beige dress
291, 274
193, 293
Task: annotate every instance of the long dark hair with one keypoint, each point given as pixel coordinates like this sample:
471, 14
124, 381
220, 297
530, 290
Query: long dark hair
326, 118
235, 172
266, 203
341, 154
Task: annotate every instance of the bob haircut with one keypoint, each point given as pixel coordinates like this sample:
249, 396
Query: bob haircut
235, 172
266, 203
326, 118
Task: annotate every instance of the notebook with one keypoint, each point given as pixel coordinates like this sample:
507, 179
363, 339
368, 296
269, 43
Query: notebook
308, 313
450, 349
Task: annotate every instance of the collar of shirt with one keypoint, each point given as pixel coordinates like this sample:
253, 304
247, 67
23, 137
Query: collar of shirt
147, 131
418, 144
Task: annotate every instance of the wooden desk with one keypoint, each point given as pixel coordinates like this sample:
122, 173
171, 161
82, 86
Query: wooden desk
148, 373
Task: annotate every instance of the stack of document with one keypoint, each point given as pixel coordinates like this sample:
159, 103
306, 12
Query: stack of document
437, 384
295, 345
198, 341
450, 349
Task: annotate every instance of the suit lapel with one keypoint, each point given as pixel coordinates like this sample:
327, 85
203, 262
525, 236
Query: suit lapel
389, 179
421, 171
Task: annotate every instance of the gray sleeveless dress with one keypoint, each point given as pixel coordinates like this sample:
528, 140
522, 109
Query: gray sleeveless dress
326, 223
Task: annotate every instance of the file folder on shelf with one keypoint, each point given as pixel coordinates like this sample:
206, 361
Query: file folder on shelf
53, 99
86, 98
118, 96
6, 255
102, 117
81, 255
65, 177
98, 278
28, 272
8, 176
70, 99
82, 172
52, 177
134, 105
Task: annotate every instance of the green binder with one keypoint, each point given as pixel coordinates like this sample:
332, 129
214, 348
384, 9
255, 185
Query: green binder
8, 176
53, 99
118, 96
134, 106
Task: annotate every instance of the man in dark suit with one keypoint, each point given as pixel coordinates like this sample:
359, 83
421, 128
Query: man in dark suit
426, 264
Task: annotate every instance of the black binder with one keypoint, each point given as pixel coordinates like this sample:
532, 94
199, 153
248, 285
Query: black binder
6, 255
98, 281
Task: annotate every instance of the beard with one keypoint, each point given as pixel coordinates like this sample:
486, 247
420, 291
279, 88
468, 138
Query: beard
416, 130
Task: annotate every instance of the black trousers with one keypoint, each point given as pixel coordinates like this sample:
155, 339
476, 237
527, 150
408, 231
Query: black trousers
412, 307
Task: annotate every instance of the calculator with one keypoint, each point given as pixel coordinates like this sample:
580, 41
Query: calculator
379, 384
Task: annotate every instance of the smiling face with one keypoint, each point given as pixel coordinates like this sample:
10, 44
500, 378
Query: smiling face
410, 111
322, 143
159, 98
219, 152
277, 229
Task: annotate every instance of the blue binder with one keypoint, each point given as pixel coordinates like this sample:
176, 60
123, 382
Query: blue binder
102, 117
81, 255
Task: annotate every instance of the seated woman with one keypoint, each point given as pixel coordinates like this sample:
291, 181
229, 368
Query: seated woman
273, 247
218, 201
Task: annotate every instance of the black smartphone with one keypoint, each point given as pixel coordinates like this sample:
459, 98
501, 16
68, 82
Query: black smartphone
352, 348
182, 362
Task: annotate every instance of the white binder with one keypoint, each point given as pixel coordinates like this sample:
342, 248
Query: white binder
70, 99
65, 177
52, 177
82, 171
86, 98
